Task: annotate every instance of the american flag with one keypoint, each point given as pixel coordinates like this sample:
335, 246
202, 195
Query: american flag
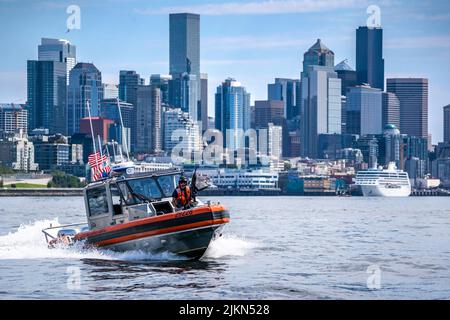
99, 165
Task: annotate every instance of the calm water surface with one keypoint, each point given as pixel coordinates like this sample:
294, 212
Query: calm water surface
274, 248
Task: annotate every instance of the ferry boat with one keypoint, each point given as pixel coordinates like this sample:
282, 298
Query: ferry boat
134, 211
380, 182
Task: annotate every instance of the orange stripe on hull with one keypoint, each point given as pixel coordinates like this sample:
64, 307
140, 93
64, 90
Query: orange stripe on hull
161, 231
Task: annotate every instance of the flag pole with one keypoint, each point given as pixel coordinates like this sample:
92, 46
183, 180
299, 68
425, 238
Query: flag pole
92, 129
122, 128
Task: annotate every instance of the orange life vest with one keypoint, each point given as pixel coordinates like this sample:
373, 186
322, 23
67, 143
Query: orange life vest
184, 196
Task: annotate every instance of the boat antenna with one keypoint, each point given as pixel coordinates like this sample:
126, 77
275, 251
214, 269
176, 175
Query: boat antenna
113, 143
122, 128
100, 146
92, 129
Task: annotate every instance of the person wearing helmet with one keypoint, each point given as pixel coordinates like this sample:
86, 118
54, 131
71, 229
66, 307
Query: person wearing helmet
181, 196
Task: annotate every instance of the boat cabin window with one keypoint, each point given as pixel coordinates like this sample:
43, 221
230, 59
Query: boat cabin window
116, 199
97, 201
168, 184
146, 187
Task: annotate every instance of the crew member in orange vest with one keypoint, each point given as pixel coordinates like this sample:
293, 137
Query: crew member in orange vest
181, 196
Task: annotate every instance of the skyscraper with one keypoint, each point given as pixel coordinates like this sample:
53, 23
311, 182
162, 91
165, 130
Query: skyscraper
184, 43
184, 55
369, 57
47, 95
270, 111
148, 116
347, 76
58, 50
232, 114
413, 96
318, 55
161, 81
128, 82
321, 106
85, 84
285, 90
364, 110
391, 109
447, 124
203, 103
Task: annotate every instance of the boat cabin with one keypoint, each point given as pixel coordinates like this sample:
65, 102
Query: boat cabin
126, 198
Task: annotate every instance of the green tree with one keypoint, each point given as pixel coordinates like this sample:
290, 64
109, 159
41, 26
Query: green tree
62, 180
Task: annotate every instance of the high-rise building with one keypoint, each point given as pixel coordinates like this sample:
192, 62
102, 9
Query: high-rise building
321, 106
183, 90
274, 140
58, 50
47, 95
85, 88
128, 82
184, 43
148, 116
285, 90
13, 117
447, 124
369, 57
232, 114
184, 56
100, 127
318, 55
393, 148
203, 103
269, 111
110, 91
178, 124
347, 76
109, 109
391, 110
161, 81
364, 110
413, 96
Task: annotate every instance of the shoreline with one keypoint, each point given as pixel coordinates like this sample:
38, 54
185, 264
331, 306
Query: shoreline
78, 192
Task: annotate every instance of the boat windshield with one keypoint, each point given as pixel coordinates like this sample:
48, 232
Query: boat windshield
148, 189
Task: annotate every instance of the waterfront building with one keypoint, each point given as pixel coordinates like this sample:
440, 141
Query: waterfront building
233, 179
369, 57
13, 117
17, 152
274, 141
52, 152
412, 94
85, 88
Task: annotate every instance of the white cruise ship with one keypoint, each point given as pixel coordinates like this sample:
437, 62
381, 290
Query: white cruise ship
388, 182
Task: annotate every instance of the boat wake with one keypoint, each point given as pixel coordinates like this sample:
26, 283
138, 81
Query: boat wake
28, 242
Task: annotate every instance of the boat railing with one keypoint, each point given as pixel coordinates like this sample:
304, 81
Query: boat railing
49, 235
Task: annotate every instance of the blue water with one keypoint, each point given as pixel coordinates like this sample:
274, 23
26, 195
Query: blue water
274, 248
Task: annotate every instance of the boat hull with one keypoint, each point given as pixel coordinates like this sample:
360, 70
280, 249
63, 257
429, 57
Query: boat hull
382, 191
186, 233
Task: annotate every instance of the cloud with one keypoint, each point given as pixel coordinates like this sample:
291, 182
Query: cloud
259, 7
442, 41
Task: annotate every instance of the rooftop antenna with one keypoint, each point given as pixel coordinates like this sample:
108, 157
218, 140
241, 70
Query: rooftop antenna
122, 128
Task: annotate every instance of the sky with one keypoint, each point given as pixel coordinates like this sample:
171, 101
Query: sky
253, 41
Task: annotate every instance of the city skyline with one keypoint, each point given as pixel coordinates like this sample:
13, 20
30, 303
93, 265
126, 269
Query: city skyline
251, 49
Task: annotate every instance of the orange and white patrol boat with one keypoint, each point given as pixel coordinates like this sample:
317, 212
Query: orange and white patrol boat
135, 212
